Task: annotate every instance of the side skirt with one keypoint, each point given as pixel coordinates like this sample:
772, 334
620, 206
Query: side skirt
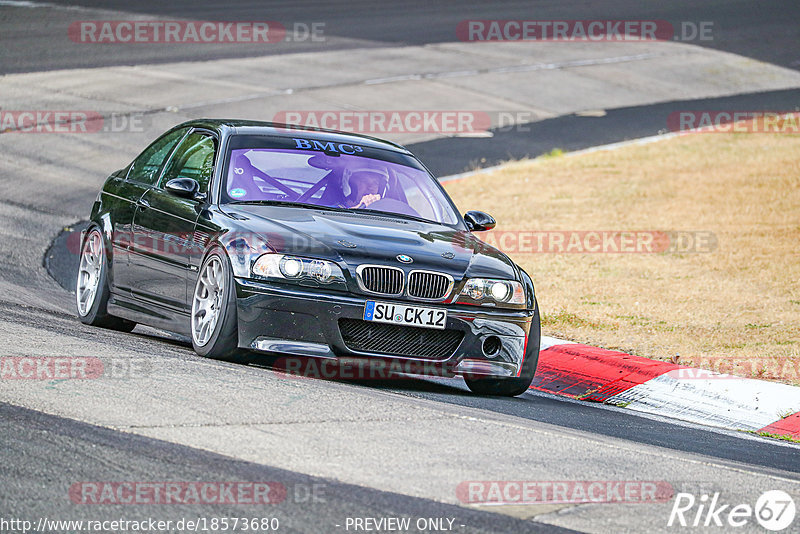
148, 314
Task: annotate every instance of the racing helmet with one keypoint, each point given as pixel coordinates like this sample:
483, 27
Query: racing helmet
359, 173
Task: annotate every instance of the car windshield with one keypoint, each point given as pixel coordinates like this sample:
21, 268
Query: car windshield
333, 175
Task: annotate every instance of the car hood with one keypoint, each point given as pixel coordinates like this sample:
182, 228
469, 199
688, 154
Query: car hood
355, 239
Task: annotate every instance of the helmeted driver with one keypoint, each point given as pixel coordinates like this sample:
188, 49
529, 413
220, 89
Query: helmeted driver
363, 187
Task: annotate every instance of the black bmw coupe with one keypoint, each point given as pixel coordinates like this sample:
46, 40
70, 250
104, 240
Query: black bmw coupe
259, 237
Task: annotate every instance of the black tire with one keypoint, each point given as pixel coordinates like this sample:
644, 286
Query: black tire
511, 387
97, 313
223, 343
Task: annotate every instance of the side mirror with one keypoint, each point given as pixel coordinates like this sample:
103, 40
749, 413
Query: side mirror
478, 221
184, 188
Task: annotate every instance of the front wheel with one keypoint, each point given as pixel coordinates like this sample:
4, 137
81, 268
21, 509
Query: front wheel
215, 332
511, 387
91, 290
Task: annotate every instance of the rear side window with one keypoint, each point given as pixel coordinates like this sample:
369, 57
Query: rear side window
194, 158
145, 168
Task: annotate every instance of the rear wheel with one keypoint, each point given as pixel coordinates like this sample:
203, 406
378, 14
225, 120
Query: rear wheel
91, 290
511, 387
214, 325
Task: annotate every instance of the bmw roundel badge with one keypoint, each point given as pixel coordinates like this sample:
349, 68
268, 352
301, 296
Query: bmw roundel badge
405, 259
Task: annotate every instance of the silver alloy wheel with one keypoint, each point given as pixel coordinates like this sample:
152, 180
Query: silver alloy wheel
89, 272
207, 301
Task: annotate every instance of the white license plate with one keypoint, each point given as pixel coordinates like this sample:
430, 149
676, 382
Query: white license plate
384, 312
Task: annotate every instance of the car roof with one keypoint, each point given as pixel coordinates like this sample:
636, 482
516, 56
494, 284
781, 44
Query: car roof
248, 127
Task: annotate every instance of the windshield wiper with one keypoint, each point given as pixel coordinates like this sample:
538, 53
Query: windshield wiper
362, 211
287, 203
368, 211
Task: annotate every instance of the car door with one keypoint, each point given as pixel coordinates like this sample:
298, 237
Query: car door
142, 174
164, 224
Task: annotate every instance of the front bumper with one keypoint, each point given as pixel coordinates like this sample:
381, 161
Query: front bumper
301, 321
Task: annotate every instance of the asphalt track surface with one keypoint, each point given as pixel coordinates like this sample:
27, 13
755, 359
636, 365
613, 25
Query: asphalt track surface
43, 454
448, 156
767, 31
38, 488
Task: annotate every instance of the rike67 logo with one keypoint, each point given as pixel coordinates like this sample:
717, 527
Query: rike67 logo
774, 510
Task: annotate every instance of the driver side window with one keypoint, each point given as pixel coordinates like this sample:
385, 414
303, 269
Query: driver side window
145, 168
194, 158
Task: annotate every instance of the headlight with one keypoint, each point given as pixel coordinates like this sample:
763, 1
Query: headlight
303, 270
290, 267
488, 292
500, 291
